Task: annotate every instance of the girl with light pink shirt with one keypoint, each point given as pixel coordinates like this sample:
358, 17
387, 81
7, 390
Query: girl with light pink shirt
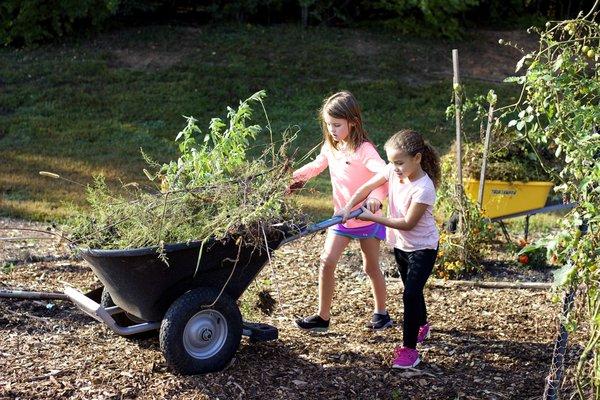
412, 175
352, 160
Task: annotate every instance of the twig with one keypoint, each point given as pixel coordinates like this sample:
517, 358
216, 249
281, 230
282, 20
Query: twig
37, 230
16, 239
43, 320
230, 275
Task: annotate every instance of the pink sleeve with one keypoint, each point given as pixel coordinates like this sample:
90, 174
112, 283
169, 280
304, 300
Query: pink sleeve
311, 169
374, 163
424, 195
371, 158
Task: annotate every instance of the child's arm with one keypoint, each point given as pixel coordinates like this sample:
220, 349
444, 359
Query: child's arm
414, 214
375, 164
311, 169
361, 194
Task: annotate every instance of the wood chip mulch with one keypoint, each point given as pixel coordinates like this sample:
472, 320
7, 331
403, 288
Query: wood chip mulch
485, 343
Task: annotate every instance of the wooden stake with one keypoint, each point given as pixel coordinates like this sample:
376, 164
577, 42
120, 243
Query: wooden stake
486, 147
457, 105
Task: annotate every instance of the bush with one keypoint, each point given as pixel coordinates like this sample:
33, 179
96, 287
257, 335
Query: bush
507, 161
509, 158
439, 18
461, 252
31, 21
462, 247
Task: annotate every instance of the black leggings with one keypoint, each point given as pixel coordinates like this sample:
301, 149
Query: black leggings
415, 267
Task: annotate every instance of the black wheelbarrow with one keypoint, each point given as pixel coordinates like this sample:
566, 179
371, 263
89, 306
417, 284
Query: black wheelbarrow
191, 301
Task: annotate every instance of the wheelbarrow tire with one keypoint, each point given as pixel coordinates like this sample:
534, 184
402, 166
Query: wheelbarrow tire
124, 319
196, 338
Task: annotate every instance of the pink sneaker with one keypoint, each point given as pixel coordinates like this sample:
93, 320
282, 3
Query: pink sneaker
424, 333
405, 357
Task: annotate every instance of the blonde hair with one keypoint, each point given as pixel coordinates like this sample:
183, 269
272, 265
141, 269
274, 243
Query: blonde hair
343, 105
412, 143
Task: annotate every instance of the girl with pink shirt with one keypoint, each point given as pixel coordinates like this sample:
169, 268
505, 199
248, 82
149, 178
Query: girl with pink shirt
412, 175
352, 160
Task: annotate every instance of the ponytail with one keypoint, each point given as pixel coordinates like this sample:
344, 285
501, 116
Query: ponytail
430, 162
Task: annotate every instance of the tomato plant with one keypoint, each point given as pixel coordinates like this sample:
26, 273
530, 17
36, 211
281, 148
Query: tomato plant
559, 108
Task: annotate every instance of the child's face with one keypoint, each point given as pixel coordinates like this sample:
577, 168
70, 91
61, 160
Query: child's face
405, 165
338, 128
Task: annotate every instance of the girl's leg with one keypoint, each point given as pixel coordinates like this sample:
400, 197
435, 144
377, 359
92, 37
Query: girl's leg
370, 254
423, 319
402, 261
334, 246
420, 265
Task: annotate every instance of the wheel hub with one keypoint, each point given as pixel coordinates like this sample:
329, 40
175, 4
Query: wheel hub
205, 334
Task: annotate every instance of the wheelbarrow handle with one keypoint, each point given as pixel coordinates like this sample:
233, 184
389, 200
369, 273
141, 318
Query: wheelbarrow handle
321, 225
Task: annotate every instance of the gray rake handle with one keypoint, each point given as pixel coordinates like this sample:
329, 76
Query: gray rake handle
321, 225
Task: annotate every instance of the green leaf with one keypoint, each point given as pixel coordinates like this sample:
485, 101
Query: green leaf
563, 275
557, 63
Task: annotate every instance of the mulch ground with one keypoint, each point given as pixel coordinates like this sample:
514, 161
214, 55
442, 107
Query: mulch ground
485, 344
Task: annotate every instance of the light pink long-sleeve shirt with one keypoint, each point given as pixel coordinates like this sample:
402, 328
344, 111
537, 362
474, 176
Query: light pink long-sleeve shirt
348, 171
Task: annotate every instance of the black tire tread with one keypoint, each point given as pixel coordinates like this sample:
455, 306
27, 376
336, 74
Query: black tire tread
175, 320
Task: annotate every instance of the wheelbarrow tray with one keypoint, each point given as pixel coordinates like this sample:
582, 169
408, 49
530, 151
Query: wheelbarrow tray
144, 286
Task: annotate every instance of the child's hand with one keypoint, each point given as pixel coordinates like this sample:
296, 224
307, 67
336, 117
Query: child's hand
366, 215
344, 213
373, 204
294, 187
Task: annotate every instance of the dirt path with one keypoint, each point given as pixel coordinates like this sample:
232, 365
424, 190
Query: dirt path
486, 344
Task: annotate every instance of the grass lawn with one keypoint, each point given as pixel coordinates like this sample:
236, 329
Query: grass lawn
86, 107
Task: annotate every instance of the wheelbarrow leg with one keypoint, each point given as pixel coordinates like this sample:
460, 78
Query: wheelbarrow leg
504, 230
526, 227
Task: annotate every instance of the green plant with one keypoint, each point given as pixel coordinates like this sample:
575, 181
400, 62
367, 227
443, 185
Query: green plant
464, 246
509, 158
31, 21
559, 108
533, 255
438, 18
7, 267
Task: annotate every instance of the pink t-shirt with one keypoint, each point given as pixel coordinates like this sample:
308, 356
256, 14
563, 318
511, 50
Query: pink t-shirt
348, 171
425, 234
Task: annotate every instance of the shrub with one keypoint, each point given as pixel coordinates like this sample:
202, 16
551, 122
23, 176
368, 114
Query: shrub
31, 21
439, 18
464, 246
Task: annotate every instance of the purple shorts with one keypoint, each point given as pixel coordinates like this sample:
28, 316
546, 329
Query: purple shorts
374, 230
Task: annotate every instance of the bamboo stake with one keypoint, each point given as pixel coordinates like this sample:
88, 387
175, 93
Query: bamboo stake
486, 148
457, 105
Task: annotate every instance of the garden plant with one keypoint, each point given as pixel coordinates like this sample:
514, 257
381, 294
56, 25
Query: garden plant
559, 110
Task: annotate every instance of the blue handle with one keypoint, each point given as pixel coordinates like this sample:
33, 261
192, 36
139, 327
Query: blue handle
321, 225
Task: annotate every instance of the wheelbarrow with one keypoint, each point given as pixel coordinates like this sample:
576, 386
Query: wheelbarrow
192, 301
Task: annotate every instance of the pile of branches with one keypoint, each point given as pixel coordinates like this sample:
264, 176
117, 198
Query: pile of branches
213, 190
